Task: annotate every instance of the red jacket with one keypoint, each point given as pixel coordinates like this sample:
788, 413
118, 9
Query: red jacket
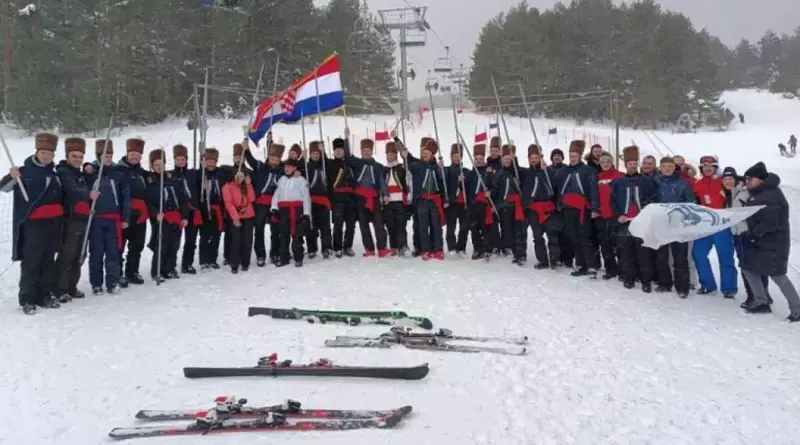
237, 204
604, 179
709, 192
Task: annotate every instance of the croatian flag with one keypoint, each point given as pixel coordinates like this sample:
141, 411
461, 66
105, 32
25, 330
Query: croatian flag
301, 99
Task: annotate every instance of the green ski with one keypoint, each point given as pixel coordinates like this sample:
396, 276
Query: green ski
353, 318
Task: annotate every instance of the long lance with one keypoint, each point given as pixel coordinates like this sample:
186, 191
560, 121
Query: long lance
480, 178
528, 113
505, 127
203, 140
319, 122
161, 216
252, 115
96, 187
461, 148
436, 134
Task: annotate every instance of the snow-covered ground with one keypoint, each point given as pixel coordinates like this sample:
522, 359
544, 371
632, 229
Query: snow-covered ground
606, 365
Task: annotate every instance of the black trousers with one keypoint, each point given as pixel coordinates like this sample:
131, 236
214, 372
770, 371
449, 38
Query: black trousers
226, 242
457, 214
484, 234
320, 229
241, 243
209, 240
262, 221
375, 217
170, 243
68, 262
415, 228
394, 214
547, 250
344, 221
37, 274
578, 228
607, 237
513, 231
679, 274
189, 245
292, 229
631, 253
134, 239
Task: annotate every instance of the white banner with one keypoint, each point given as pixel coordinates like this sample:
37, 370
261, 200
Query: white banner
660, 224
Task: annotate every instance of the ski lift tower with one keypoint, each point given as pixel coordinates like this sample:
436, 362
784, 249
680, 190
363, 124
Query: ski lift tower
413, 33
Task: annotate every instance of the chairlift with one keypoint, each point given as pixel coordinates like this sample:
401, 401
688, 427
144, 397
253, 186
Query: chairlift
354, 43
445, 86
415, 38
431, 83
444, 64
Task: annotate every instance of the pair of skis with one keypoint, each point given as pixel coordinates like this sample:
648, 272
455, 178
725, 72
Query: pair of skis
233, 415
272, 367
438, 341
352, 318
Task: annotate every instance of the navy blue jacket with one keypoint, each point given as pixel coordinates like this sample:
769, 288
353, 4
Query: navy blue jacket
420, 170
674, 189
768, 230
115, 195
451, 173
478, 181
265, 178
188, 183
633, 189
580, 179
368, 174
315, 175
136, 177
537, 185
216, 179
43, 187
76, 190
505, 183
174, 196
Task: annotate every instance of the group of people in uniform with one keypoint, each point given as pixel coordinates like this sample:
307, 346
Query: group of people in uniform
577, 207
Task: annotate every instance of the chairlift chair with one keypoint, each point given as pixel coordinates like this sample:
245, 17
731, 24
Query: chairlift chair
444, 64
415, 38
431, 83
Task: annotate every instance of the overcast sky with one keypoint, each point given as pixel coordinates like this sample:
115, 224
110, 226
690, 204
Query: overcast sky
458, 23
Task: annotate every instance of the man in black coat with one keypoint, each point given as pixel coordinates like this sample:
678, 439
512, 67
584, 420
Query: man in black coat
768, 241
38, 215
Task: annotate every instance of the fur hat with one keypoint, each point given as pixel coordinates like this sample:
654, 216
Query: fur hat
709, 160
479, 150
534, 149
75, 144
367, 144
424, 141
46, 141
277, 150
391, 147
134, 145
757, 171
211, 153
556, 151
156, 155
455, 149
296, 148
338, 144
180, 150
508, 149
432, 147
238, 149
314, 147
494, 142
630, 153
100, 145
577, 146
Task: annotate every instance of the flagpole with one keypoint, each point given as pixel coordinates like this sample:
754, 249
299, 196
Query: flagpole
272, 105
306, 154
323, 155
252, 116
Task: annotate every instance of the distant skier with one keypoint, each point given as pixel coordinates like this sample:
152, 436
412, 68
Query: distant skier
741, 118
793, 144
782, 149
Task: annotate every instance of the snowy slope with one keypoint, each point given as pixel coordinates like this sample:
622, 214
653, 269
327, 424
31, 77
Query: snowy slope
607, 365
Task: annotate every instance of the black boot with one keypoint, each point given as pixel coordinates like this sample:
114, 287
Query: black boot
609, 275
123, 282
29, 309
647, 288
312, 255
157, 279
261, 262
663, 289
760, 309
477, 255
540, 266
97, 290
326, 254
63, 298
49, 303
188, 270
338, 254
349, 252
78, 294
234, 270
298, 263
135, 279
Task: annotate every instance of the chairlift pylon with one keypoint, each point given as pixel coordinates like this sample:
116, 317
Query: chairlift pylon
444, 64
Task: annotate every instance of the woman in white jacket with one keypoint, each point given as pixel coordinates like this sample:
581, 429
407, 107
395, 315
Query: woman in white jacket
736, 195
